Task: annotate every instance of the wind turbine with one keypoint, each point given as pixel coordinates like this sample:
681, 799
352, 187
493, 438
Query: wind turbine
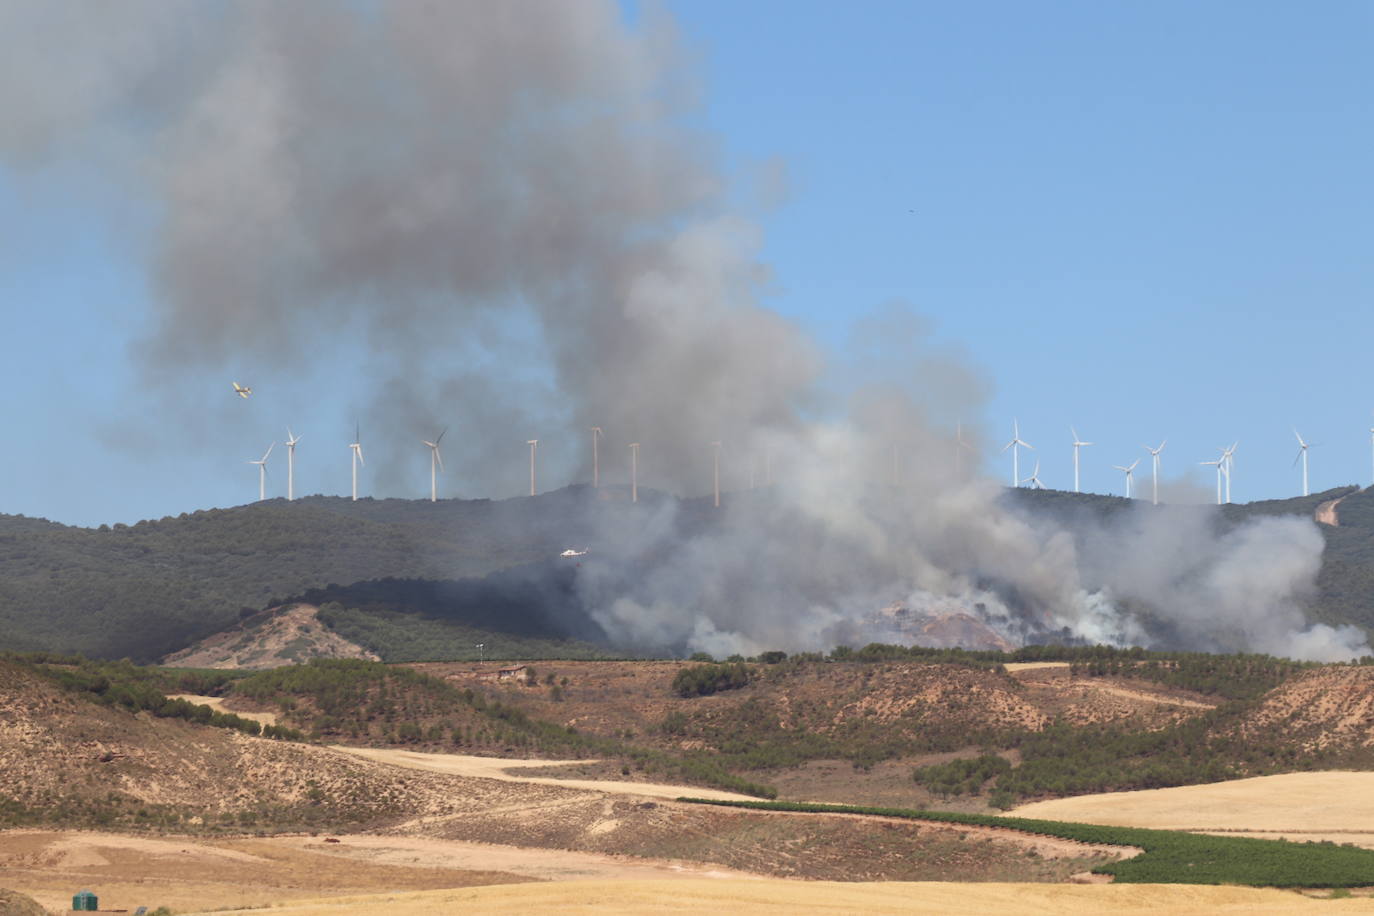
1014, 445
533, 444
1154, 461
291, 464
356, 446
1302, 454
634, 472
596, 458
716, 447
1077, 444
262, 471
1228, 463
1129, 472
1220, 465
1034, 478
434, 456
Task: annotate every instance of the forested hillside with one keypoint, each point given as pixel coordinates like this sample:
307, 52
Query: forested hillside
408, 578
148, 589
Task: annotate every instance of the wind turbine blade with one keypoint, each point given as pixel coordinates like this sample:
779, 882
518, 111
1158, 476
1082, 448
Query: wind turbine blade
441, 436
439, 456
1075, 433
360, 457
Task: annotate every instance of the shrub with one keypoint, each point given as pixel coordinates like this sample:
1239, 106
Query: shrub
704, 680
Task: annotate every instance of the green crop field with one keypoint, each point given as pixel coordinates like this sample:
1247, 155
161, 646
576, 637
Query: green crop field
1170, 856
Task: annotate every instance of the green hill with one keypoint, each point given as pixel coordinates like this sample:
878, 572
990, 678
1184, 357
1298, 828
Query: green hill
412, 579
148, 589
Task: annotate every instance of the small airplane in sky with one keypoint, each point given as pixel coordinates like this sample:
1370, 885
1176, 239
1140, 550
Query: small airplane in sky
573, 553
242, 391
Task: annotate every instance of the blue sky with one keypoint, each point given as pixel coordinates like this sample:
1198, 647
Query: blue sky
1147, 220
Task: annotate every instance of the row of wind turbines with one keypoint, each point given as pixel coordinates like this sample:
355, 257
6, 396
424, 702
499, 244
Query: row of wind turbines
1224, 464
436, 464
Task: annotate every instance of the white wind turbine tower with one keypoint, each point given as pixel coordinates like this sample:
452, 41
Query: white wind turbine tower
291, 464
634, 472
1130, 470
1302, 455
596, 458
1371, 455
1077, 444
262, 471
1220, 465
434, 457
1015, 443
1228, 463
1154, 461
1034, 478
356, 447
533, 444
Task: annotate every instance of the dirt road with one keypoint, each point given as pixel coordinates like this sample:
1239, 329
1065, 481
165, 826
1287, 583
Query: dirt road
217, 704
499, 768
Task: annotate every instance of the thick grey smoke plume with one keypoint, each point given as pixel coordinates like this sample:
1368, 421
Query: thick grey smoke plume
504, 202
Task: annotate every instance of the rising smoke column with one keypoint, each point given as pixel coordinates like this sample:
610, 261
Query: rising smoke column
505, 202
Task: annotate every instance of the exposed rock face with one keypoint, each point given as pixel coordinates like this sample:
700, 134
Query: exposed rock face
289, 635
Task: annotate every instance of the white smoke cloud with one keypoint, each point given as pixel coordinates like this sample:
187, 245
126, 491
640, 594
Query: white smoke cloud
507, 203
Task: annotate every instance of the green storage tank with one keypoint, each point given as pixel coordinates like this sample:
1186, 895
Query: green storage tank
86, 902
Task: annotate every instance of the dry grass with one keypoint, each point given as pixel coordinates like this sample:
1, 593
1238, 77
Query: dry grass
772, 896
1292, 804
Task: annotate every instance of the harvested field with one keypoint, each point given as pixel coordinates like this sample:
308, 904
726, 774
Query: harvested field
185, 873
1295, 805
771, 896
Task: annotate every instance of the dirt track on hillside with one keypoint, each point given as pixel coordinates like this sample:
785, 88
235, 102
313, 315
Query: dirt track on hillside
497, 768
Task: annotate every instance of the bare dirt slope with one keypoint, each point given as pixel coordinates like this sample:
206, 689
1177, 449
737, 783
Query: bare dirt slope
778, 897
1297, 805
278, 636
1326, 513
1325, 707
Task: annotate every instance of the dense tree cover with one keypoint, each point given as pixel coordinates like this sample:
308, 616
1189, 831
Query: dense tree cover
1235, 677
145, 590
704, 680
148, 589
1170, 857
966, 776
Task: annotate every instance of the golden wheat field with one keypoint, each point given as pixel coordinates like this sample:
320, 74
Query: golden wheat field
778, 896
1321, 805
